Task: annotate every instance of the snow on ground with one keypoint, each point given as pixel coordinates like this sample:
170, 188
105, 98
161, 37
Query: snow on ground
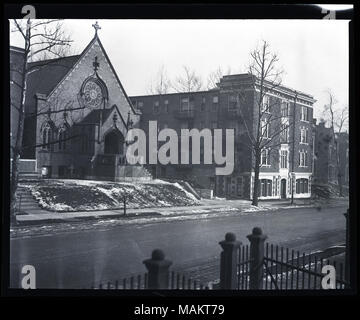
77, 195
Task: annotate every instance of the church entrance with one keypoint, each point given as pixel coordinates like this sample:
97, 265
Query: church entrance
283, 188
114, 143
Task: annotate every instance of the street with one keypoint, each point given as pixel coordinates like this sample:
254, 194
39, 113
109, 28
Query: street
77, 257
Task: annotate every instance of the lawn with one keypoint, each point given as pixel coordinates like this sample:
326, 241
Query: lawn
78, 195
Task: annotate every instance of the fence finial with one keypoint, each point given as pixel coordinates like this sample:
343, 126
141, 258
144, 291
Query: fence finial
257, 240
228, 263
158, 255
158, 270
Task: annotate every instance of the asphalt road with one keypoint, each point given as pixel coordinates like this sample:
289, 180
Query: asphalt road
77, 258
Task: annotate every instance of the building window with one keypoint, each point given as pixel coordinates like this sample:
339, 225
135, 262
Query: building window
239, 186
203, 104
215, 103
46, 137
283, 159
284, 109
284, 133
265, 106
156, 108
266, 188
62, 139
184, 105
265, 126
232, 102
166, 106
302, 159
138, 104
302, 185
304, 115
233, 125
304, 133
265, 157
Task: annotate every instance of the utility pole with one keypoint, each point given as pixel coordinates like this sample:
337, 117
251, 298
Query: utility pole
293, 151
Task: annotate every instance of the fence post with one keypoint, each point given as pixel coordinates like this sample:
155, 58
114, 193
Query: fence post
257, 240
347, 248
228, 261
158, 270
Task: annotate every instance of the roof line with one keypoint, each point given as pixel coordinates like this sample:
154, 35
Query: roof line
110, 64
178, 93
73, 67
116, 76
116, 107
54, 59
17, 49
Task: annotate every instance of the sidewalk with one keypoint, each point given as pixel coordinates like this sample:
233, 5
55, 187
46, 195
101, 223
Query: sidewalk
35, 216
40, 215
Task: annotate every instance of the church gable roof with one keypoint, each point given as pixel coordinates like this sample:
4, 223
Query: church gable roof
91, 43
45, 75
49, 74
94, 116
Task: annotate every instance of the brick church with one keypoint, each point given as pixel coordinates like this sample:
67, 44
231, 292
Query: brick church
77, 117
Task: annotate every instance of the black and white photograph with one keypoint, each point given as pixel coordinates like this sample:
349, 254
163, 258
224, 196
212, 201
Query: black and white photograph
179, 154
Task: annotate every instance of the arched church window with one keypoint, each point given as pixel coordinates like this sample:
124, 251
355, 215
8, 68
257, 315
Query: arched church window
62, 138
47, 132
93, 92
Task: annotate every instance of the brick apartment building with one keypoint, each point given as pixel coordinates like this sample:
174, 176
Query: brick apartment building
221, 108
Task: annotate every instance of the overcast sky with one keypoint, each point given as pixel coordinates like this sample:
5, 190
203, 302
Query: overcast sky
314, 53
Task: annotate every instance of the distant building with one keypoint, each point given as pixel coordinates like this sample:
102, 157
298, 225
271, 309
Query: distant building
343, 140
219, 108
325, 166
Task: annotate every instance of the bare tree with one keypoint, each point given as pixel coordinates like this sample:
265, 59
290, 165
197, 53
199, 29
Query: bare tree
215, 76
188, 82
264, 129
161, 84
337, 119
39, 36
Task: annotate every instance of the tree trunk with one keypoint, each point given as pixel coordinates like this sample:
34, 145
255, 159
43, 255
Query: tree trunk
19, 132
255, 199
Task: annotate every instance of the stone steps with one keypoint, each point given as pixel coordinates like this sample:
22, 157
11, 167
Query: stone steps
28, 176
25, 200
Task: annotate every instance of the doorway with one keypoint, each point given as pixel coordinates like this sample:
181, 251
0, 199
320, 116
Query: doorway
283, 188
114, 143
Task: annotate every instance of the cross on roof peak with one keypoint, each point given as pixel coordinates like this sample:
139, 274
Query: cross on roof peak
96, 27
96, 64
